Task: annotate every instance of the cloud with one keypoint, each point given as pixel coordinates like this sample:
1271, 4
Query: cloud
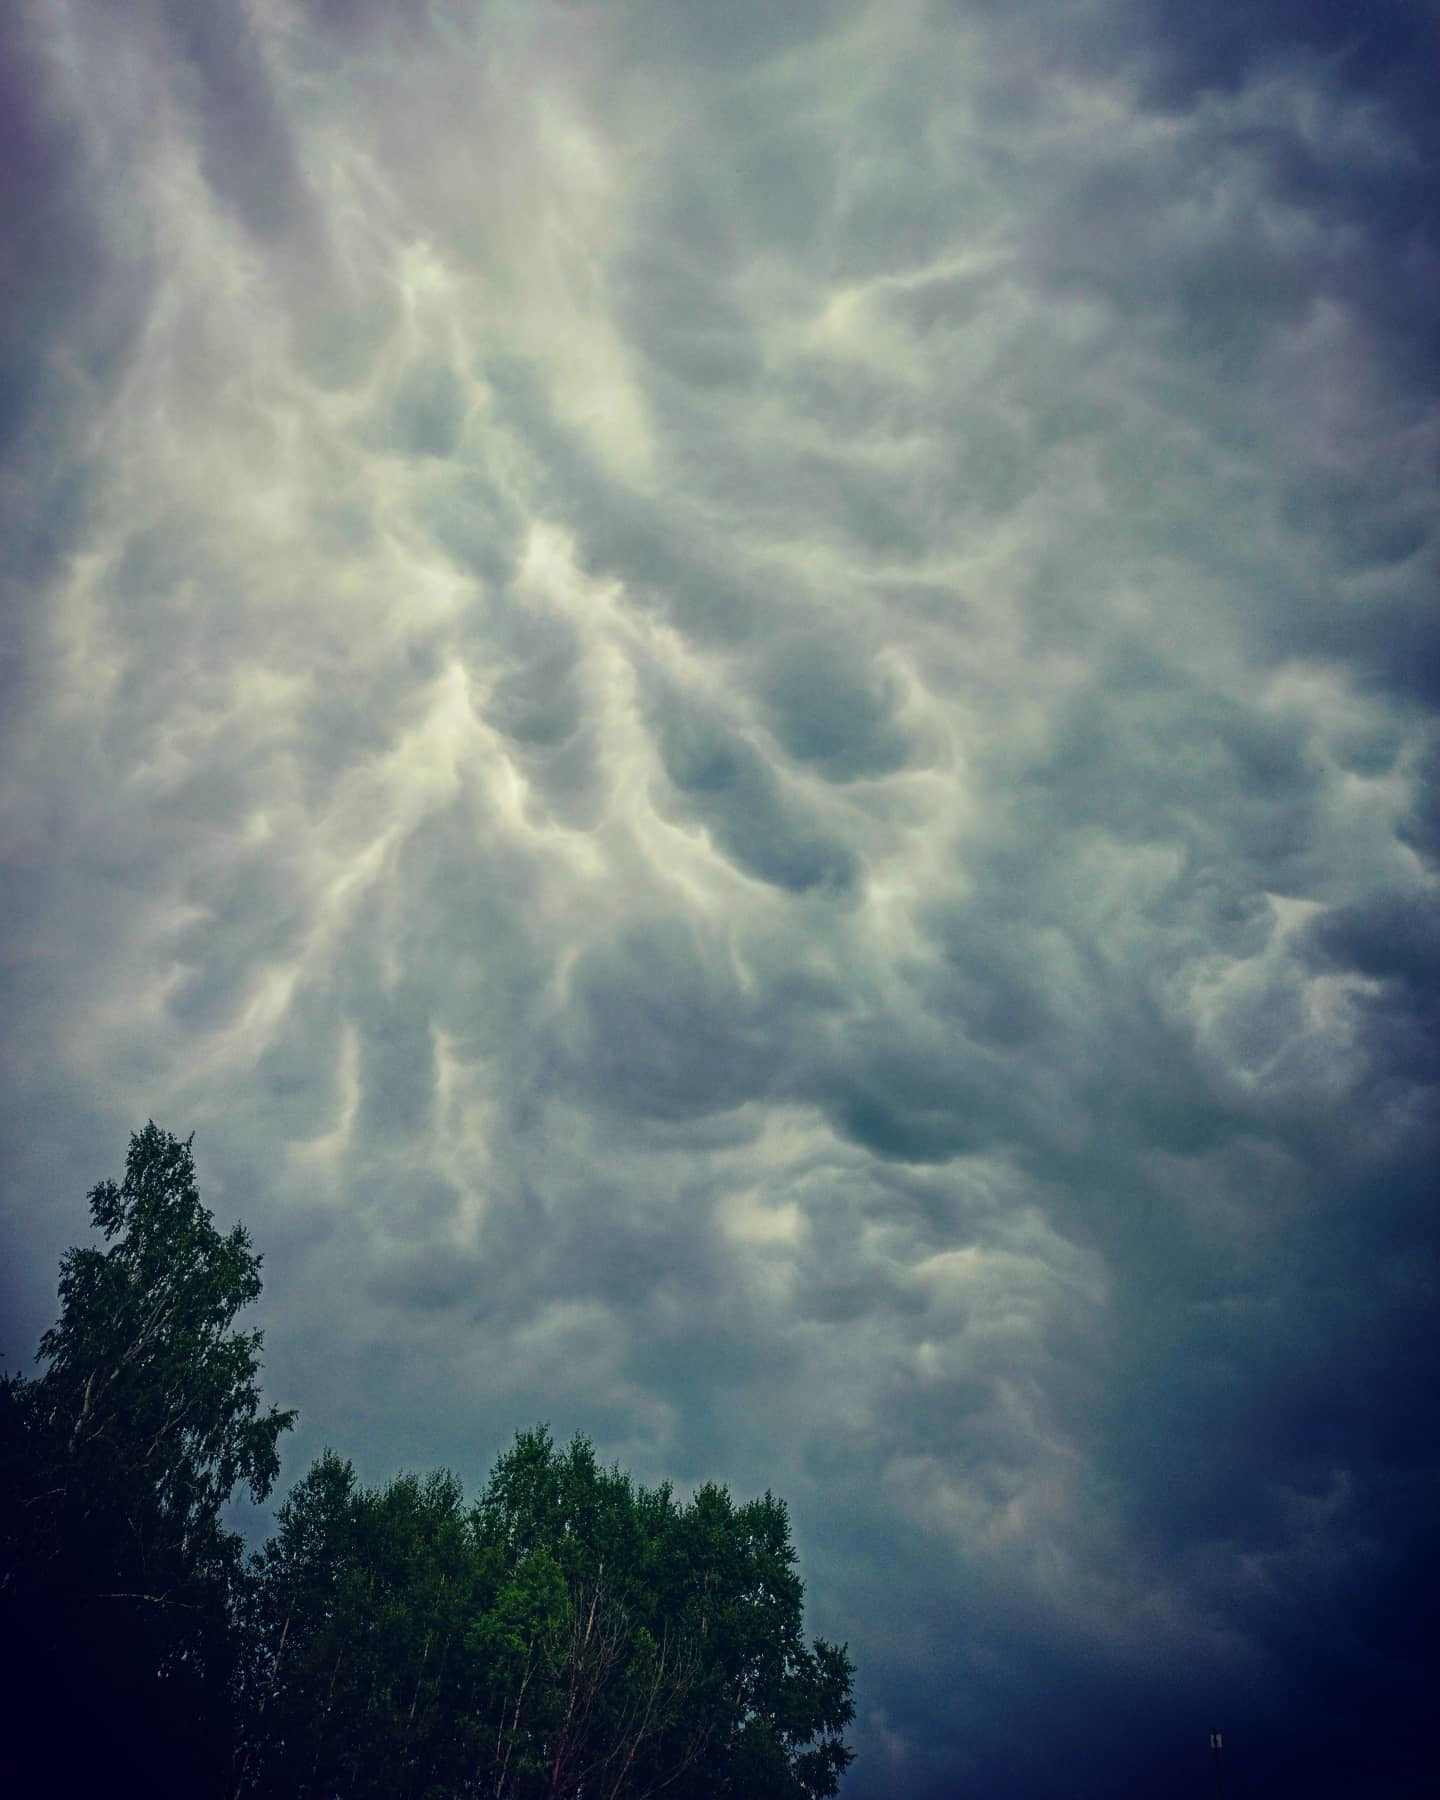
744, 709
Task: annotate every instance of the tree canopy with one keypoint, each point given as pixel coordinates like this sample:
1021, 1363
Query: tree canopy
118, 1574
568, 1633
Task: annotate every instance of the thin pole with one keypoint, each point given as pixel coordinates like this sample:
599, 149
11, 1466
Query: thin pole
1216, 1745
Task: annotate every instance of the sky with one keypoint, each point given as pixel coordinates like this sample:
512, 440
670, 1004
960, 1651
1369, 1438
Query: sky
742, 701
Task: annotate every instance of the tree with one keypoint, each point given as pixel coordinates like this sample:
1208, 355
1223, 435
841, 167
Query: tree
119, 1579
683, 1663
360, 1674
595, 1687
570, 1634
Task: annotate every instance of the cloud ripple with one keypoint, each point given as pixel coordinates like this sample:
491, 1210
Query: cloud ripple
745, 713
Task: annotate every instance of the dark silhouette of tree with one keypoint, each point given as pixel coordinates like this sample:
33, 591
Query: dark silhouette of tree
118, 1580
569, 1635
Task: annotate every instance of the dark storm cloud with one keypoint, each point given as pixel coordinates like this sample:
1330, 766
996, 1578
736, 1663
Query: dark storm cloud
245, 145
660, 1027
830, 710
470, 516
1150, 757
537, 700
1393, 943
750, 33
1419, 828
725, 783
51, 239
530, 661
298, 1072
676, 564
683, 321
741, 702
1380, 54
65, 281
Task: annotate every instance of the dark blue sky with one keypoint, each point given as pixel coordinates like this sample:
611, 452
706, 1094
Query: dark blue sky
742, 703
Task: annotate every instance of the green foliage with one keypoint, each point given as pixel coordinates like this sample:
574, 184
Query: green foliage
359, 1675
569, 1635
119, 1456
148, 1388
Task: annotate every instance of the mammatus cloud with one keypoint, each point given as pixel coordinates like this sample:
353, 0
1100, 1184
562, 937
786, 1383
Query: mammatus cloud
741, 703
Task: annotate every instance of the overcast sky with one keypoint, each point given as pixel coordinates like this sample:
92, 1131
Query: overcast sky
740, 699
